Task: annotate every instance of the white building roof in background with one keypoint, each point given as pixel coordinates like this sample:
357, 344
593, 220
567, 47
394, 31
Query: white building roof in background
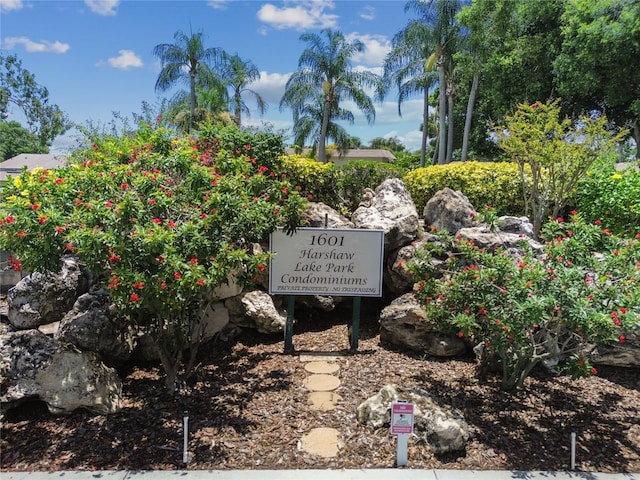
14, 165
353, 154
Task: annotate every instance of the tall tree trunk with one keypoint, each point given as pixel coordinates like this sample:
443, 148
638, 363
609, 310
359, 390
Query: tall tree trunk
238, 108
322, 148
192, 107
451, 94
434, 159
636, 137
467, 120
442, 146
425, 128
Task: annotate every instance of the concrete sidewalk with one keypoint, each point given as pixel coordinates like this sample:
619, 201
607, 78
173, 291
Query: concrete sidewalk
378, 474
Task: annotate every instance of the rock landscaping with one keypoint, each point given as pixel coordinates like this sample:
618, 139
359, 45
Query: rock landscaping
63, 352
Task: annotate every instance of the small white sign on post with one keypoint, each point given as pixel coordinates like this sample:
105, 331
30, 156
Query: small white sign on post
402, 426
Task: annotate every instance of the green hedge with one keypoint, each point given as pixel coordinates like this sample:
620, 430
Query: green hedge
338, 186
316, 180
360, 174
612, 197
485, 183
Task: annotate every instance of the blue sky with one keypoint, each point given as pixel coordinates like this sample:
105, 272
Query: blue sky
95, 56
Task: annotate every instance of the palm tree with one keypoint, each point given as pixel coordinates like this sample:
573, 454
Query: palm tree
186, 60
308, 122
440, 16
212, 108
487, 23
325, 71
409, 65
236, 74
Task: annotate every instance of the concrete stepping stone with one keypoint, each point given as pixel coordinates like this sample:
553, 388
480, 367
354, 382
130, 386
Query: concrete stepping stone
323, 401
321, 441
322, 367
321, 382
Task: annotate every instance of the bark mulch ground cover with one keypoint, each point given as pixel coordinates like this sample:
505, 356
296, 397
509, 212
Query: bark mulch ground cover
248, 410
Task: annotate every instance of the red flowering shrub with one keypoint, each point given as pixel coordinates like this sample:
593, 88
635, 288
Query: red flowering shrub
533, 309
154, 222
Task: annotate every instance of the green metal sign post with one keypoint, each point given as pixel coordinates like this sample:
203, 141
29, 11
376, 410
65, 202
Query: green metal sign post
328, 262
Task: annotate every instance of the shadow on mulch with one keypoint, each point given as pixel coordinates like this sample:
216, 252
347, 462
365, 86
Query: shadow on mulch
532, 427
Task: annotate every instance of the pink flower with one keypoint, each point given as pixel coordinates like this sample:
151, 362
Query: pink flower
134, 297
177, 275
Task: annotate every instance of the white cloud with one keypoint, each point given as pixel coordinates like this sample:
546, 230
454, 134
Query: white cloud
36, 47
368, 13
412, 139
270, 86
375, 48
106, 8
218, 4
8, 5
126, 59
299, 14
277, 125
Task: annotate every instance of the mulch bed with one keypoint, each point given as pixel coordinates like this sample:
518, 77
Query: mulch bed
248, 410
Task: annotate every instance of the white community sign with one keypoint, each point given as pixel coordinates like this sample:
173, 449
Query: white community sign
315, 261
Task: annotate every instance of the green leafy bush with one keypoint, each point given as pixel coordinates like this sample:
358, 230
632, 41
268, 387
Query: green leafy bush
316, 180
360, 174
532, 309
552, 154
158, 220
611, 196
493, 183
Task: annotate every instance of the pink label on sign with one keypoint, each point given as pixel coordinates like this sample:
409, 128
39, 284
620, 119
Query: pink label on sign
401, 418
